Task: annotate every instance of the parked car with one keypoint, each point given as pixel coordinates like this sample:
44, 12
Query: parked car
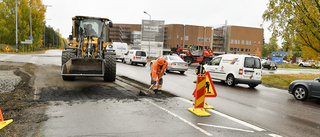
309, 63
236, 69
136, 57
175, 63
270, 65
304, 89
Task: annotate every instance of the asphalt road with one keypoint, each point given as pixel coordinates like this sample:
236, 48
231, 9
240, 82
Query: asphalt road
239, 111
266, 107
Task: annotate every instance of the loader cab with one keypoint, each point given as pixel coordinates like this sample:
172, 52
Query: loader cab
90, 27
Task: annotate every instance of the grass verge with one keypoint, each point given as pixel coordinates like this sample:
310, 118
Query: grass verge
283, 80
292, 66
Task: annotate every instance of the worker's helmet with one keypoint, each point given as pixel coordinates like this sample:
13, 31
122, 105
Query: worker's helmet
161, 61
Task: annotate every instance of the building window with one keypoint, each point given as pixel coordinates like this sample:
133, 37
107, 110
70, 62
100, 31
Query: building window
232, 41
169, 37
200, 38
246, 50
249, 50
242, 42
231, 49
235, 41
255, 43
238, 41
181, 38
177, 36
186, 37
242, 49
169, 46
259, 42
248, 42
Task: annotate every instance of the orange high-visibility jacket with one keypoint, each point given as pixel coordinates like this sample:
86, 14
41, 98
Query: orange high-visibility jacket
156, 71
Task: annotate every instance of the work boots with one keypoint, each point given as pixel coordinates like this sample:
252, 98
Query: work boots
156, 91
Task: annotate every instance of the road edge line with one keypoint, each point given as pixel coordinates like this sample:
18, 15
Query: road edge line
182, 119
229, 117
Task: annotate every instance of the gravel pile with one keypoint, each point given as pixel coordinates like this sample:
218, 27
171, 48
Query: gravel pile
8, 81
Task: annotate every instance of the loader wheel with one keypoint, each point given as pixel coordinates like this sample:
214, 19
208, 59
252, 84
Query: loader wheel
109, 68
66, 56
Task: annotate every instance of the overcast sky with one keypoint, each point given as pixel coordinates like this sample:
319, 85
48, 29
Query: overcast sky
212, 13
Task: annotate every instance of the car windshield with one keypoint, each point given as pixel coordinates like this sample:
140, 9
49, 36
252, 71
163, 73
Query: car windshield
175, 58
251, 62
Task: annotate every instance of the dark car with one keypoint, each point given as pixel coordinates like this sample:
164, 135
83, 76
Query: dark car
304, 89
270, 65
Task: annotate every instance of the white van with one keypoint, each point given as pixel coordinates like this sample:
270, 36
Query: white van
236, 69
120, 49
136, 57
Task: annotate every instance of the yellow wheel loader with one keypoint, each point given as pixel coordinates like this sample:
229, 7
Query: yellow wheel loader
90, 52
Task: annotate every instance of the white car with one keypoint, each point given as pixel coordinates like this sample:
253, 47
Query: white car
175, 63
134, 57
309, 63
120, 49
236, 69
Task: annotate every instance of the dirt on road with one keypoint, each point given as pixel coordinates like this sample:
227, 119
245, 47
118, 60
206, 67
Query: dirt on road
19, 104
42, 85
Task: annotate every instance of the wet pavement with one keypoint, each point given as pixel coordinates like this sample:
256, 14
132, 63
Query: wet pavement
239, 110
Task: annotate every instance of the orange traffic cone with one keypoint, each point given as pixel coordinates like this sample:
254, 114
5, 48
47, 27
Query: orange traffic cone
3, 122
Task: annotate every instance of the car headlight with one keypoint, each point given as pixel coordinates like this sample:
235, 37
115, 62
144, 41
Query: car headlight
110, 46
70, 44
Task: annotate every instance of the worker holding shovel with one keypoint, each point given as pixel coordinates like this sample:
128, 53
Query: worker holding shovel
158, 69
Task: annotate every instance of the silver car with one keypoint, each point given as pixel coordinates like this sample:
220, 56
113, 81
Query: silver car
304, 89
175, 63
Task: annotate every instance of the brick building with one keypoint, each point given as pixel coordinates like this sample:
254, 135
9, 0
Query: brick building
178, 35
244, 39
230, 39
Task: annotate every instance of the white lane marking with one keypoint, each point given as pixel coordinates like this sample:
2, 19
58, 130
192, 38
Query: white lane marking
274, 135
182, 119
229, 117
230, 128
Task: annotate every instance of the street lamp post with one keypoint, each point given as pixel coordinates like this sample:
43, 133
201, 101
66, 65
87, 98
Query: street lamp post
16, 28
149, 30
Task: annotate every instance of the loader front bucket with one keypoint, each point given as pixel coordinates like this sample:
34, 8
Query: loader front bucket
83, 67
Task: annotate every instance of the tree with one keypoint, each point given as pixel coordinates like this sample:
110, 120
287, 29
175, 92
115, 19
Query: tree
297, 23
8, 21
268, 48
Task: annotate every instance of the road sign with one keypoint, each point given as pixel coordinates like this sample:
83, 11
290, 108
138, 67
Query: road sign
210, 90
31, 37
27, 41
7, 49
199, 96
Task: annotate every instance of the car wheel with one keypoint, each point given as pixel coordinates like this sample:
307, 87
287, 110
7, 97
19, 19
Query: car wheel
300, 93
131, 63
230, 80
252, 85
181, 72
300, 65
313, 66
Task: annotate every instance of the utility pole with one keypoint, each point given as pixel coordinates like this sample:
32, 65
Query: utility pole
16, 28
149, 30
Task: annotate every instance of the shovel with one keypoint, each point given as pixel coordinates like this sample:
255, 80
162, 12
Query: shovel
141, 93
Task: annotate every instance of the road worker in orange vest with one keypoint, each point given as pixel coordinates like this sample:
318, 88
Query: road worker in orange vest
158, 69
